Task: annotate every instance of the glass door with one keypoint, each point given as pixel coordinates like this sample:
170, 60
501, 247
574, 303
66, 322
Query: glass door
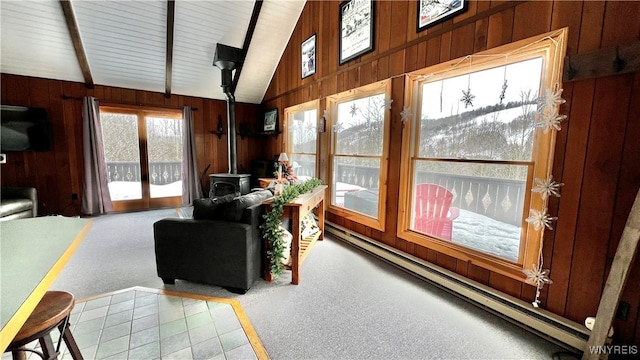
143, 153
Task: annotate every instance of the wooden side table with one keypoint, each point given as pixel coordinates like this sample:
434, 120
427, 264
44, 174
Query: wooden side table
296, 210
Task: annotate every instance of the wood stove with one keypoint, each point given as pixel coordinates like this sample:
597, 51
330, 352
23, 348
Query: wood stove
227, 58
223, 184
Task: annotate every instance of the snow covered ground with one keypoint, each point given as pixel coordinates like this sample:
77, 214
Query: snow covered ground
128, 190
342, 189
485, 234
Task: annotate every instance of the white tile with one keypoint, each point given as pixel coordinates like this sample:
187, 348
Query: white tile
93, 314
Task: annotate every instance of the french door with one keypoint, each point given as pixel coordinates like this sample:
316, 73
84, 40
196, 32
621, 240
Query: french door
143, 153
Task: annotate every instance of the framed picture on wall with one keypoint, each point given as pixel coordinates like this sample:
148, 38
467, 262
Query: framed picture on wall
270, 124
309, 56
431, 12
356, 29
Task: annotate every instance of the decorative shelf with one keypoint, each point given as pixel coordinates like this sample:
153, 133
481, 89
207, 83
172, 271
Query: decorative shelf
242, 135
218, 133
305, 246
270, 133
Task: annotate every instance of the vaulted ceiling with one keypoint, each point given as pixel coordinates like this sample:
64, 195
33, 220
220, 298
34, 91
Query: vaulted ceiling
153, 45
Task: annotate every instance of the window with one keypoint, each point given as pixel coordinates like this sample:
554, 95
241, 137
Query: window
302, 138
359, 153
143, 154
474, 151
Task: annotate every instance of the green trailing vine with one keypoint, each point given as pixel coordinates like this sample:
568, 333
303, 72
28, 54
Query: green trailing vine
271, 230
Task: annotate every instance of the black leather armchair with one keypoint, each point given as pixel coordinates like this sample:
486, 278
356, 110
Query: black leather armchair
222, 252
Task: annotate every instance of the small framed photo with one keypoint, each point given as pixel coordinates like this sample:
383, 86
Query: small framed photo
270, 124
356, 29
431, 12
309, 56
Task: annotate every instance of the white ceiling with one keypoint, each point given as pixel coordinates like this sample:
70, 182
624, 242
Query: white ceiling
125, 43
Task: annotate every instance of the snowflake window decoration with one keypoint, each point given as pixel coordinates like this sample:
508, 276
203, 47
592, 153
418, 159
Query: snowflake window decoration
405, 113
467, 98
504, 90
538, 277
540, 219
354, 110
548, 103
337, 128
550, 120
550, 99
387, 103
546, 187
325, 114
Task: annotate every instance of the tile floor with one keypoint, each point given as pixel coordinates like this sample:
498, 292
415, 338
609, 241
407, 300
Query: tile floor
140, 324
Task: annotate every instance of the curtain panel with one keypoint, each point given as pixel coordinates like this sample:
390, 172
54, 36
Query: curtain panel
191, 187
95, 192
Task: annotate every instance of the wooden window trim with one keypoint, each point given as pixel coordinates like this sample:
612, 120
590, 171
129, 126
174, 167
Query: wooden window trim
141, 112
148, 111
377, 88
167, 112
288, 113
552, 46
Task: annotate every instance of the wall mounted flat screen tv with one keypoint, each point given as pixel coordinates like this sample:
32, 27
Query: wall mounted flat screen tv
24, 129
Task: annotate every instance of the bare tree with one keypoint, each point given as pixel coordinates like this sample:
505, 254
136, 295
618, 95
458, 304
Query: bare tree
120, 136
482, 134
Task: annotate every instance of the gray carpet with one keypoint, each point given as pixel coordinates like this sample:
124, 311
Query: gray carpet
349, 305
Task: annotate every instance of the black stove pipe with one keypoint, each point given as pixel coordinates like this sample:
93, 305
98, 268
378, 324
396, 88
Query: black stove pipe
227, 58
231, 122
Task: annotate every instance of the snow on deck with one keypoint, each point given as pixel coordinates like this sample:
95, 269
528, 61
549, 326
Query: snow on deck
485, 234
129, 190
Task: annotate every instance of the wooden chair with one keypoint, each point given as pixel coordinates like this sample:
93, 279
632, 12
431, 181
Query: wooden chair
52, 312
433, 214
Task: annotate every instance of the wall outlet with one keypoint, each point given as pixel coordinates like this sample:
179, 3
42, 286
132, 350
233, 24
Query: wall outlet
590, 323
623, 311
74, 196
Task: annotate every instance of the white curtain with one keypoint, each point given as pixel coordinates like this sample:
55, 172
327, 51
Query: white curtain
95, 192
191, 188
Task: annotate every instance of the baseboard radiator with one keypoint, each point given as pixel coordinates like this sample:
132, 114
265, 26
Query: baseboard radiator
564, 332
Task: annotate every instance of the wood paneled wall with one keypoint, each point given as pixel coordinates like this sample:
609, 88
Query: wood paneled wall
597, 151
58, 173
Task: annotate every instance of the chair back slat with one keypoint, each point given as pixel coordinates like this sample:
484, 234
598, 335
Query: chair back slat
432, 203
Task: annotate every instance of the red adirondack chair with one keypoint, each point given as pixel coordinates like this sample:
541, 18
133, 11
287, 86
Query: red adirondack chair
433, 212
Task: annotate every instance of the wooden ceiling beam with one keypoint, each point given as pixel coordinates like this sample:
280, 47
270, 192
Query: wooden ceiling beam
171, 9
257, 6
72, 25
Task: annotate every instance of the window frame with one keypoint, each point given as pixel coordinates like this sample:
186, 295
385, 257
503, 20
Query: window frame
142, 112
377, 88
552, 47
288, 114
